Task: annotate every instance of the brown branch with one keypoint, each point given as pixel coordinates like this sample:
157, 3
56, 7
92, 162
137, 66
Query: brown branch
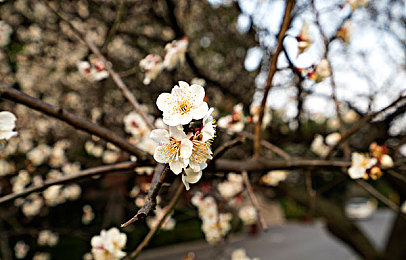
268, 145
150, 203
272, 70
152, 232
79, 175
114, 75
378, 195
227, 145
361, 123
73, 120
115, 26
266, 164
254, 201
310, 190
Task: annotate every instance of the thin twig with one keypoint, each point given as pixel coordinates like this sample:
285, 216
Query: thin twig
361, 123
310, 190
378, 195
272, 70
227, 145
268, 145
69, 178
150, 203
73, 120
152, 232
254, 201
114, 75
114, 27
266, 164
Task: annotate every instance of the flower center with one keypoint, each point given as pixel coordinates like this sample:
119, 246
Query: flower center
183, 107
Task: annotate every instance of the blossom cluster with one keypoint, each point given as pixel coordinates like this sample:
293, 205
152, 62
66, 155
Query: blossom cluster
321, 146
232, 186
370, 165
215, 225
153, 64
273, 178
187, 144
95, 70
108, 245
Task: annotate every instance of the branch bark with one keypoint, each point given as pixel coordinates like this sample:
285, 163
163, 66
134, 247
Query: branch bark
272, 70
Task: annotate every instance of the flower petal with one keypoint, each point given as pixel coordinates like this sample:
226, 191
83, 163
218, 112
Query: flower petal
186, 148
7, 121
176, 166
198, 92
185, 182
185, 119
200, 111
177, 132
159, 135
192, 176
183, 84
164, 102
161, 154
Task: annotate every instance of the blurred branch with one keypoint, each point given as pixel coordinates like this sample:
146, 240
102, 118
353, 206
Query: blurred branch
268, 145
82, 174
254, 201
227, 145
363, 122
272, 70
73, 120
114, 75
266, 164
115, 26
161, 221
150, 203
378, 195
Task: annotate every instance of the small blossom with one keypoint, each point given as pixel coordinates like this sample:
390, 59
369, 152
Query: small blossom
273, 178
175, 53
108, 245
135, 125
333, 139
321, 71
173, 148
41, 256
240, 254
21, 249
318, 146
344, 33
235, 122
47, 238
232, 186
152, 65
168, 224
39, 155
88, 214
248, 215
386, 161
7, 124
183, 104
360, 164
254, 111
94, 71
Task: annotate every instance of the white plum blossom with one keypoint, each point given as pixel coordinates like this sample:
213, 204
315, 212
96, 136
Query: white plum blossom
168, 224
152, 65
94, 71
108, 245
135, 125
7, 124
386, 161
39, 154
333, 138
21, 249
273, 178
88, 214
232, 186
360, 164
318, 146
47, 238
191, 176
248, 215
183, 104
235, 122
175, 53
173, 147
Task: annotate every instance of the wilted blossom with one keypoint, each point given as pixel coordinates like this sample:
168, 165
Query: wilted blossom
183, 104
108, 245
152, 65
344, 33
175, 53
7, 124
248, 214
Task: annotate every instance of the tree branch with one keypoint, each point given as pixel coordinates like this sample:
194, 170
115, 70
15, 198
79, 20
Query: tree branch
272, 70
82, 174
161, 221
73, 120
